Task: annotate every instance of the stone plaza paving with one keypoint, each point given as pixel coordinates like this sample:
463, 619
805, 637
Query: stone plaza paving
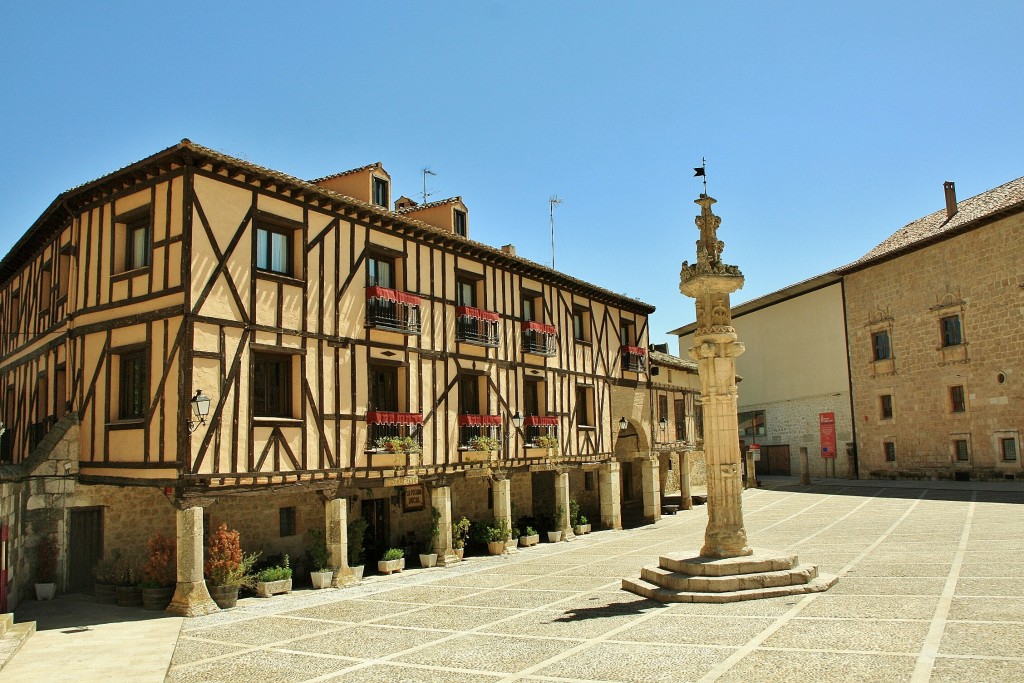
930, 589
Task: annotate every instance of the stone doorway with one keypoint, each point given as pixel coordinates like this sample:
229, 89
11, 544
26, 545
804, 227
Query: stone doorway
775, 460
377, 513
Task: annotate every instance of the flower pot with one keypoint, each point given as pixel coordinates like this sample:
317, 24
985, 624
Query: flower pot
388, 566
579, 529
459, 552
357, 571
554, 536
264, 589
531, 540
496, 547
105, 593
321, 579
586, 528
128, 596
511, 543
45, 591
224, 596
428, 559
157, 599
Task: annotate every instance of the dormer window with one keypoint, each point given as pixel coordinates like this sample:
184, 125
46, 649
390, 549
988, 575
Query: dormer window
380, 192
461, 223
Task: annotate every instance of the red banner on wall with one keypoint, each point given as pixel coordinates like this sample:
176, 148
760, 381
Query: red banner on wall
827, 428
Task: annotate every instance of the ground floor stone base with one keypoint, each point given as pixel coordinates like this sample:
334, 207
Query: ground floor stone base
684, 578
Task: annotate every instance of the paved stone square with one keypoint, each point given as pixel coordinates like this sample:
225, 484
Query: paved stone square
930, 589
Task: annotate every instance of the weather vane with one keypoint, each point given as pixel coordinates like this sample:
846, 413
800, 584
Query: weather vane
700, 171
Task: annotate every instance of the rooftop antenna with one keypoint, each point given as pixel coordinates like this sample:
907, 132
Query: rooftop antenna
426, 172
701, 171
553, 201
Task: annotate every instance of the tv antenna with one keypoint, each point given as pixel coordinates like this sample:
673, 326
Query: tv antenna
553, 201
426, 171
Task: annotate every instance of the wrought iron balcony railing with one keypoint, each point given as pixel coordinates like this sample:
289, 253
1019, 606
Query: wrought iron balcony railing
634, 358
480, 432
476, 326
394, 432
540, 339
389, 309
541, 432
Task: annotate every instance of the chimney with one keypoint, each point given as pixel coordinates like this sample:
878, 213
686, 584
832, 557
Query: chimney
950, 188
509, 249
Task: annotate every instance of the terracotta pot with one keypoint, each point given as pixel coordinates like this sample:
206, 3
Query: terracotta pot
157, 598
224, 596
496, 547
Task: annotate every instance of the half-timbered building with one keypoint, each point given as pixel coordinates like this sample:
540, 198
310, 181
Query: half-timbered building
358, 361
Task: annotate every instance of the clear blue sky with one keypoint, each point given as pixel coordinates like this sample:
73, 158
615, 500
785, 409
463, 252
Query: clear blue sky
826, 126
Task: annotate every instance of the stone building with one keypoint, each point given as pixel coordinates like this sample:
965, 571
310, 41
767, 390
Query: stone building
935, 318
916, 352
355, 361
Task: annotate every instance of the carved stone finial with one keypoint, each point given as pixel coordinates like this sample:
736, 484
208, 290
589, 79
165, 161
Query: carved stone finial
709, 247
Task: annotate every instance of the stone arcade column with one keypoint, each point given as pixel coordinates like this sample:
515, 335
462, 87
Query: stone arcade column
724, 570
650, 475
191, 599
684, 480
336, 529
610, 490
441, 500
562, 502
502, 489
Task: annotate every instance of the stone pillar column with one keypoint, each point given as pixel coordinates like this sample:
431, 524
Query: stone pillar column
610, 491
336, 530
751, 471
650, 479
191, 599
502, 488
684, 480
805, 472
562, 503
441, 500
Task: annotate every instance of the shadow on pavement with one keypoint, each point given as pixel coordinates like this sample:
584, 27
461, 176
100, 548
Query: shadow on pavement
76, 612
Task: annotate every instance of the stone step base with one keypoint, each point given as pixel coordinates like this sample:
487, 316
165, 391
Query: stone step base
726, 584
654, 592
764, 561
14, 636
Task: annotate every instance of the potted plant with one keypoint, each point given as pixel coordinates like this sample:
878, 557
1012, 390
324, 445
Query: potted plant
513, 536
103, 574
159, 573
548, 442
428, 558
274, 579
356, 546
529, 538
555, 530
46, 569
126, 581
226, 567
496, 537
460, 534
391, 561
576, 519
397, 444
320, 571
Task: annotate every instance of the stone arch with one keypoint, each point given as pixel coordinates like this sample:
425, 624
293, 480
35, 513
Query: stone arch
630, 441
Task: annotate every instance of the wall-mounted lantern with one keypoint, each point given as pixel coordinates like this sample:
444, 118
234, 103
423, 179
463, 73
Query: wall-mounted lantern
200, 408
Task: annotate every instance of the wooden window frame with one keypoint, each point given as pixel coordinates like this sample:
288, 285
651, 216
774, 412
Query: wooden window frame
951, 331
582, 315
273, 404
585, 407
1004, 451
885, 406
957, 399
380, 191
270, 230
889, 450
877, 350
287, 521
460, 227
132, 370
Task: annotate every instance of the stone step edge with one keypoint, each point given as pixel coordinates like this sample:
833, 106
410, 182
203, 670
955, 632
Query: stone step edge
660, 576
732, 566
13, 639
653, 592
6, 621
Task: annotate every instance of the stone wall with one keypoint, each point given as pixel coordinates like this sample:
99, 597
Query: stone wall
978, 276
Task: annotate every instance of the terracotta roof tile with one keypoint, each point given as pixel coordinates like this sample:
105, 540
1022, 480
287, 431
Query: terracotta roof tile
429, 205
345, 173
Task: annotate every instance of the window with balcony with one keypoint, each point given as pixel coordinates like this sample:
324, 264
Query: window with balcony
950, 326
133, 385
540, 339
479, 432
271, 385
541, 431
394, 432
388, 308
634, 358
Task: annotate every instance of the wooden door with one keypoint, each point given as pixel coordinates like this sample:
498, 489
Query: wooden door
775, 460
85, 546
377, 514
